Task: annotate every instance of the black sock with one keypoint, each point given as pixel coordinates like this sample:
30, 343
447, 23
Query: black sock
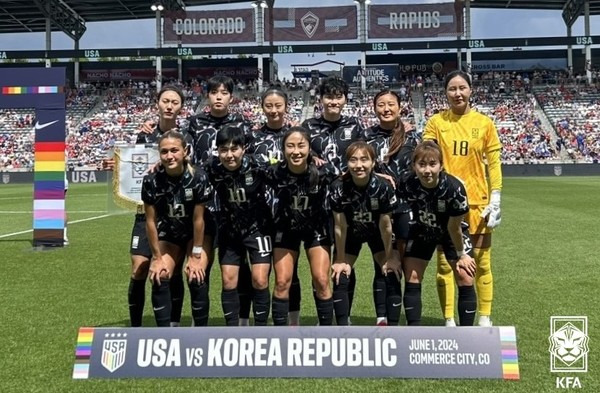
280, 311
136, 296
379, 295
325, 311
351, 286
262, 305
467, 305
295, 291
199, 300
231, 306
340, 301
177, 292
412, 304
393, 299
161, 303
245, 290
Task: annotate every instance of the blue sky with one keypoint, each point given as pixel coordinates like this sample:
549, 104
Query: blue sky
486, 23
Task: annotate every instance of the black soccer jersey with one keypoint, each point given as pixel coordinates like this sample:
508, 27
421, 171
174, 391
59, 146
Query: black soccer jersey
432, 208
204, 127
329, 140
299, 206
362, 206
266, 145
400, 162
174, 200
241, 195
145, 138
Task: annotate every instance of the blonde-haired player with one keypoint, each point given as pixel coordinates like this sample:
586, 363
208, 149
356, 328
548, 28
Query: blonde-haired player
470, 143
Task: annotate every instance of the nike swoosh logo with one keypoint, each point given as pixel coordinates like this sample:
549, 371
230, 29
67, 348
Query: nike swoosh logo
470, 311
487, 283
337, 300
229, 313
396, 305
39, 126
260, 312
158, 308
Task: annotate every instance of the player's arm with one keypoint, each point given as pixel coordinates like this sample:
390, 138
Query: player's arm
197, 258
430, 132
465, 261
340, 230
157, 265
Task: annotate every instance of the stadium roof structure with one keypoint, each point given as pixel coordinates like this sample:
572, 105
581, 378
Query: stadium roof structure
20, 16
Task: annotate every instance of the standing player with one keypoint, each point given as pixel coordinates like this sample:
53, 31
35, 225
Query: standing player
244, 223
438, 204
393, 147
300, 190
362, 205
469, 140
266, 146
174, 198
331, 134
170, 101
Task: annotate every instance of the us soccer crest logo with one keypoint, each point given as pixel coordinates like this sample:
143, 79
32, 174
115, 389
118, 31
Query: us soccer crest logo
568, 344
309, 23
139, 165
114, 351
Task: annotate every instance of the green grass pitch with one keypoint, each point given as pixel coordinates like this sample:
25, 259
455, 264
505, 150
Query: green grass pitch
545, 263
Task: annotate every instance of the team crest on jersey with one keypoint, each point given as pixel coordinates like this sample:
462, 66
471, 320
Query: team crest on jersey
113, 352
347, 133
249, 179
189, 194
441, 207
139, 165
6, 178
374, 204
474, 132
278, 237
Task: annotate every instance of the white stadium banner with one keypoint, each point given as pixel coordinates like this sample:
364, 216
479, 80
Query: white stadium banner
131, 165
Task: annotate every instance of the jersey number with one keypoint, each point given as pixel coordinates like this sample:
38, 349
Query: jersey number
264, 244
177, 210
237, 195
300, 202
427, 218
461, 148
363, 216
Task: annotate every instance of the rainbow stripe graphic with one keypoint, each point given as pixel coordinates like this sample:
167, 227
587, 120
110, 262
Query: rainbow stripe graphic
510, 357
11, 90
49, 189
83, 352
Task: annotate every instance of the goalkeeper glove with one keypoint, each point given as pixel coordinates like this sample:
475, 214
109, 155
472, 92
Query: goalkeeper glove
492, 211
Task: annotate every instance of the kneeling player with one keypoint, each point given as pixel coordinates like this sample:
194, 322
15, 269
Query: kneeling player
174, 198
438, 204
362, 205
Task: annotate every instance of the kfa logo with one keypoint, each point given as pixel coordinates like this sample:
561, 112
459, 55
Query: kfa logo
309, 23
568, 344
139, 165
113, 351
6, 178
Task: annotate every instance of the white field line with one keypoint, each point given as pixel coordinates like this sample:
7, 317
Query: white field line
70, 222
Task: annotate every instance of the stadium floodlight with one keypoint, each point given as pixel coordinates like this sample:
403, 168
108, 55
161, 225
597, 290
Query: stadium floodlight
259, 3
157, 7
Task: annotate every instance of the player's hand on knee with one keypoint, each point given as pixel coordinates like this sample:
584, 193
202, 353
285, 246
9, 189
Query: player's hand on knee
339, 268
466, 263
158, 269
392, 265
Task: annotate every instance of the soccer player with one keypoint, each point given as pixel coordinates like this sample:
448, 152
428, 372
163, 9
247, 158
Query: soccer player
266, 146
300, 189
331, 134
362, 205
393, 147
244, 219
174, 198
170, 100
438, 204
470, 145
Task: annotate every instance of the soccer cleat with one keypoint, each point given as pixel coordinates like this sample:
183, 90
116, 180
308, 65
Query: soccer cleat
485, 321
450, 322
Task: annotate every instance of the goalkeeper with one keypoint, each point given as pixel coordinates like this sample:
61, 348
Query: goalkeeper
469, 141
